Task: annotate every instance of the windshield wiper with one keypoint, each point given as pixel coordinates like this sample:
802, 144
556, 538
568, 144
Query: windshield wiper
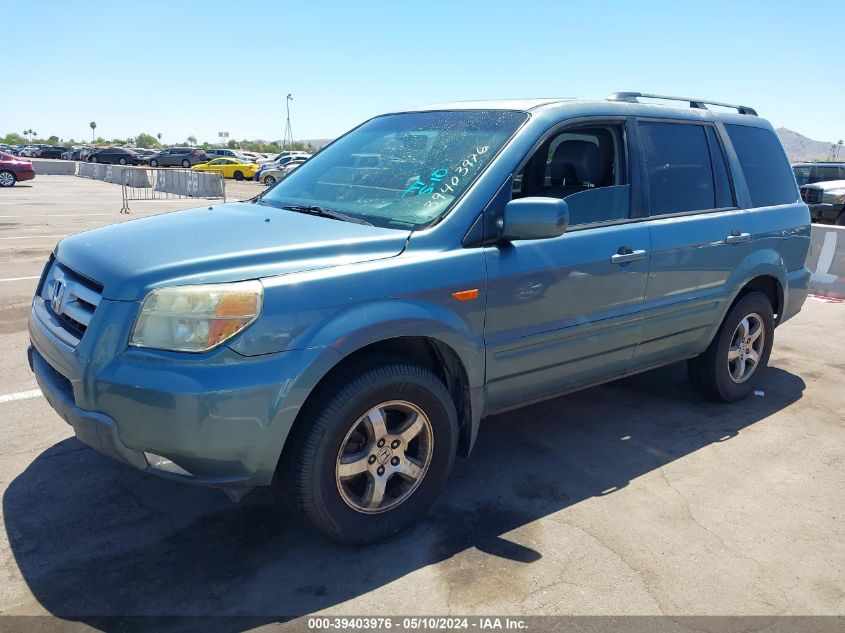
311, 209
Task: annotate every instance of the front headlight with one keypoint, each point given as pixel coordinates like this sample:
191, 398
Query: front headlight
834, 196
196, 318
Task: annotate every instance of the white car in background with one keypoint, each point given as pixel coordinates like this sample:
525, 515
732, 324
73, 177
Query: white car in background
31, 151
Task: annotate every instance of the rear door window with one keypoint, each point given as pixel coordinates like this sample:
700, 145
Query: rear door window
765, 167
678, 167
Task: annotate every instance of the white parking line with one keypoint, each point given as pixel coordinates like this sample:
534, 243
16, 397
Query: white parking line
20, 278
21, 395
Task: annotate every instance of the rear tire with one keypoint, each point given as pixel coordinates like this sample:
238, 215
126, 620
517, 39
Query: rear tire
840, 221
153, 163
371, 452
732, 365
239, 175
7, 179
269, 180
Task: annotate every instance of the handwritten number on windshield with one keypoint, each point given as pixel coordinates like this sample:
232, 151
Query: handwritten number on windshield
422, 188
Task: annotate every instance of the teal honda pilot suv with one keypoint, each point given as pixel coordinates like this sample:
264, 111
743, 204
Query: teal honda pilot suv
341, 335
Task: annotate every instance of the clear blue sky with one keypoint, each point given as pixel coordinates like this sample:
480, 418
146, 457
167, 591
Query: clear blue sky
183, 68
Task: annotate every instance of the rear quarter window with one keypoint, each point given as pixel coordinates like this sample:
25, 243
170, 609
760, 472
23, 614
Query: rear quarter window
767, 172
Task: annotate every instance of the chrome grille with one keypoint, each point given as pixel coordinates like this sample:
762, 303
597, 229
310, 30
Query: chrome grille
70, 297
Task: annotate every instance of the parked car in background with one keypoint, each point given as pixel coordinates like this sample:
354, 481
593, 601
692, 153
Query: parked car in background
115, 155
269, 176
179, 157
229, 167
279, 162
13, 169
287, 154
809, 173
274, 174
343, 335
31, 151
145, 154
255, 157
53, 151
218, 152
826, 201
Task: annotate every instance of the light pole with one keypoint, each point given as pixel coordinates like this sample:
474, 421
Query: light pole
288, 133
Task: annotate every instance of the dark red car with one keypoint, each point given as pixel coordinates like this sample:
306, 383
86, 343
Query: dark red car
14, 169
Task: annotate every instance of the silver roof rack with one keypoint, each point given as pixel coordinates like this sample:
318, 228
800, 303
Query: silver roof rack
701, 104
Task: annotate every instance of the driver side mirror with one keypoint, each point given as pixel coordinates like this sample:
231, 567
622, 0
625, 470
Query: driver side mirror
535, 218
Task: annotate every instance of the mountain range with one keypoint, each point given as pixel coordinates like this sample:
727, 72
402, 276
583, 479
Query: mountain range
799, 148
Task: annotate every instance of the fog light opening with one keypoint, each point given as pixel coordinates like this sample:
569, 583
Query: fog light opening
162, 463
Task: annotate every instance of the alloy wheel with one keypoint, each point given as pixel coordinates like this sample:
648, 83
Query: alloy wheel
7, 179
746, 348
384, 457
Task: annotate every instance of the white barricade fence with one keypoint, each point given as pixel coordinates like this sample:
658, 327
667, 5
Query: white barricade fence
148, 183
826, 261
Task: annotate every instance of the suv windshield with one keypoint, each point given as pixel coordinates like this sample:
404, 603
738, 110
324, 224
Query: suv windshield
399, 170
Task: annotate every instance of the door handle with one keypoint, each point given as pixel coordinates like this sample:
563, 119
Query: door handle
737, 238
624, 258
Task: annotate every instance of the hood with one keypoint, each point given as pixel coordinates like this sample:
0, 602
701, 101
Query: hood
230, 242
827, 185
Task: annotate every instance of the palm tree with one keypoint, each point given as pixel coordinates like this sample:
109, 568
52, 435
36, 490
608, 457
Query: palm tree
192, 140
93, 126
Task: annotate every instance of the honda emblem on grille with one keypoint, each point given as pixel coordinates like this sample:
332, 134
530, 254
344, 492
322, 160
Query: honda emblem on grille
58, 296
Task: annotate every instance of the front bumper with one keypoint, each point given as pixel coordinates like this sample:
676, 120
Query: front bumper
216, 419
825, 212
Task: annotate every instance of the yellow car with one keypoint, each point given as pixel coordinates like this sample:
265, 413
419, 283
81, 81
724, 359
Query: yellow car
230, 167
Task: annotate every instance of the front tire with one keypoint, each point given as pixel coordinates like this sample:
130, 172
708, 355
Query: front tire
269, 180
186, 164
122, 161
732, 365
153, 163
94, 159
7, 179
840, 221
373, 451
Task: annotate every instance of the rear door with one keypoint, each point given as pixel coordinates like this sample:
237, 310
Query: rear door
700, 239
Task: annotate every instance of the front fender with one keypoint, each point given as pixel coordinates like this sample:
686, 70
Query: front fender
355, 328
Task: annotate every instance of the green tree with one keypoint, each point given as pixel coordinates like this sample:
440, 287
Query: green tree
146, 140
93, 126
13, 139
53, 140
192, 140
